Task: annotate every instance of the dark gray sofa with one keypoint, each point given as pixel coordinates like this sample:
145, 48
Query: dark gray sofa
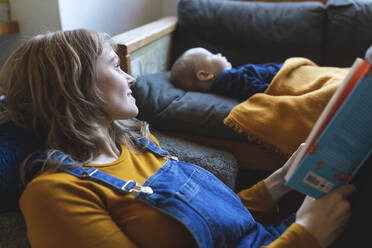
246, 32
331, 34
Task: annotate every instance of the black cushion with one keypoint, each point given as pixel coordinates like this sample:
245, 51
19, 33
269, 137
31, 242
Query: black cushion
169, 108
252, 32
15, 144
349, 31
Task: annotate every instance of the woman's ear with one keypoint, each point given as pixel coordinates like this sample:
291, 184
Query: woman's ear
203, 75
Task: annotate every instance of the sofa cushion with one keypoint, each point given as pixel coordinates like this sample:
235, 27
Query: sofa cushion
15, 144
169, 108
252, 32
349, 31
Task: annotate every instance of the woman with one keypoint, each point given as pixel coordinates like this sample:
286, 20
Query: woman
68, 87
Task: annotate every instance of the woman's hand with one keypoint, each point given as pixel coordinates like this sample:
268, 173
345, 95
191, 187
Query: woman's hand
275, 182
284, 169
326, 216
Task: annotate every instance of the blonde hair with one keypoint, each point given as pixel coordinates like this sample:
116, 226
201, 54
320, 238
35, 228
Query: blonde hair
50, 87
183, 72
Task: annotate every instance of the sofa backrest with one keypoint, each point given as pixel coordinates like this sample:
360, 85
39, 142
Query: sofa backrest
349, 31
332, 34
251, 32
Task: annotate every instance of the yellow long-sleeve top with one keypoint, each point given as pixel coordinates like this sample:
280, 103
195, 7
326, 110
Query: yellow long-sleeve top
62, 210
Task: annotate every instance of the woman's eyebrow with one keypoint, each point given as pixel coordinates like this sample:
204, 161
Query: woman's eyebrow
115, 59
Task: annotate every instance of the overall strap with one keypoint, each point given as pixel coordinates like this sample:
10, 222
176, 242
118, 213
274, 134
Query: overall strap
153, 147
103, 178
115, 183
108, 180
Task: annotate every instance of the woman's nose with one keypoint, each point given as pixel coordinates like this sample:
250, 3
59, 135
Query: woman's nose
131, 80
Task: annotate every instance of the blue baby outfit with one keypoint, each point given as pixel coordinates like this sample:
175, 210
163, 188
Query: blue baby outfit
246, 80
210, 210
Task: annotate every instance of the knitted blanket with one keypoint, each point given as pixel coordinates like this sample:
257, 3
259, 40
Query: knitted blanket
285, 113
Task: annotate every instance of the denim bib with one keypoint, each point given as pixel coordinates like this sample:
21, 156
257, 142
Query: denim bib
210, 210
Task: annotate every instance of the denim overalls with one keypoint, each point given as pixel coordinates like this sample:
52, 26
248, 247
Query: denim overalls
210, 210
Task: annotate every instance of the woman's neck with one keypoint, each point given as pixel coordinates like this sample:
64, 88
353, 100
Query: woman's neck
110, 150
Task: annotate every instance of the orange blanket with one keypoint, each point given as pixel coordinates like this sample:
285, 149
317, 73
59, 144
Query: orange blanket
284, 114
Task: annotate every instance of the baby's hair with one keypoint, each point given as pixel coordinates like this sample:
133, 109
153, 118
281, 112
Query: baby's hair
50, 87
183, 72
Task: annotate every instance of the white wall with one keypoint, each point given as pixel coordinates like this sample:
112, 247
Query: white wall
35, 16
111, 16
170, 7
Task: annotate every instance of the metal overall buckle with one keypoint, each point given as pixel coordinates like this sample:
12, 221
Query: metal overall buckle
138, 188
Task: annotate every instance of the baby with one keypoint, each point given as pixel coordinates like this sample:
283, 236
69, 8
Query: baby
197, 69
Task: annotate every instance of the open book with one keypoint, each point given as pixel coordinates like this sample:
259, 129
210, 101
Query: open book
341, 139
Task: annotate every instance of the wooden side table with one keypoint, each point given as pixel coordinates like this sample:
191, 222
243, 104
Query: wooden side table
9, 27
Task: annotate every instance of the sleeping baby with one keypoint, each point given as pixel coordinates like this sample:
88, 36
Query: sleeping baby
197, 69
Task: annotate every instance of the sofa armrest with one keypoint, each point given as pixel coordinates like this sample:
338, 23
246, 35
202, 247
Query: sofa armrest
146, 49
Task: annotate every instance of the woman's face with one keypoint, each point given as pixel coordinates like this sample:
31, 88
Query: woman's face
115, 86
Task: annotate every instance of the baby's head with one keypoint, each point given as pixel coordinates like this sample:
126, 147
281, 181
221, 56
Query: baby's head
197, 68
